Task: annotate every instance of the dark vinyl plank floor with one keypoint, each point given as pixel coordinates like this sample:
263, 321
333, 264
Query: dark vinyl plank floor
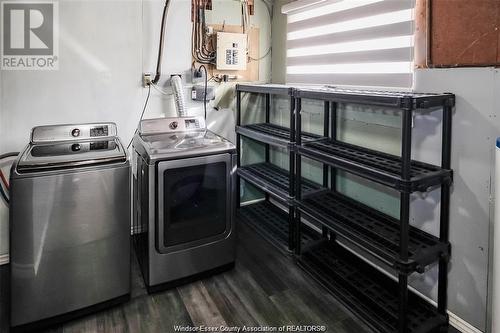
265, 288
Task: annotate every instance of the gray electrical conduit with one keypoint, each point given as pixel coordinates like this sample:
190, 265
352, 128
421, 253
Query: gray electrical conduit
162, 37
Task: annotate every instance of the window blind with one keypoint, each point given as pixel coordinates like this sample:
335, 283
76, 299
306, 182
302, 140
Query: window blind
366, 43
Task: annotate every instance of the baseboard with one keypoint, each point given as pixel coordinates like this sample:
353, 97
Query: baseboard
455, 321
4, 259
462, 325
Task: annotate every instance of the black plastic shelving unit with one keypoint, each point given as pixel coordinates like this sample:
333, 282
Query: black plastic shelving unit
383, 301
272, 180
385, 305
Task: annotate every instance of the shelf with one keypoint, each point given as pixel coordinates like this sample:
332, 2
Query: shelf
368, 293
377, 166
373, 231
273, 89
273, 180
272, 134
401, 100
271, 223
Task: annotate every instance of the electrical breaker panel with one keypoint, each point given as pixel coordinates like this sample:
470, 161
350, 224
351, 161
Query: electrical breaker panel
231, 51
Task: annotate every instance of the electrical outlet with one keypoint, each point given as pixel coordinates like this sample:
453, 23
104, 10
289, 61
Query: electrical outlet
147, 79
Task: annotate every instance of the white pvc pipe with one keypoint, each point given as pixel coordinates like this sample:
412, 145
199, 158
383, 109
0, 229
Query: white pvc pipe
495, 312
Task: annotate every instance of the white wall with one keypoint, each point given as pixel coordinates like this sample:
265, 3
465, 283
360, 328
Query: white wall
475, 128
105, 46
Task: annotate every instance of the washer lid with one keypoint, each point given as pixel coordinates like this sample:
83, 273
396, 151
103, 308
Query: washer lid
57, 155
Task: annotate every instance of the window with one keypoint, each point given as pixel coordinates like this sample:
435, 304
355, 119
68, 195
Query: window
365, 43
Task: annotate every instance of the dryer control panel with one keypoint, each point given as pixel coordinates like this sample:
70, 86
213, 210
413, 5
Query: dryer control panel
171, 125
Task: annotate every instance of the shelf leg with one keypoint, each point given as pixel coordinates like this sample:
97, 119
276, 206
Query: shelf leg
291, 228
268, 118
267, 159
291, 208
238, 148
445, 210
326, 126
333, 126
403, 279
298, 175
291, 176
403, 303
404, 216
268, 108
292, 119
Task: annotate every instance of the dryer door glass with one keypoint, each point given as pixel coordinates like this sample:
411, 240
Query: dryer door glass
195, 203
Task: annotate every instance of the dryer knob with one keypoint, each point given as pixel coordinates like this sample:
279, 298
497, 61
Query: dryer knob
75, 132
173, 125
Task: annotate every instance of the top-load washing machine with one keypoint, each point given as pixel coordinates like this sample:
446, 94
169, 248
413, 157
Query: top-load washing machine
69, 224
184, 188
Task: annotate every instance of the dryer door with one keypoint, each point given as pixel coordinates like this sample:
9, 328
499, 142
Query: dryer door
194, 202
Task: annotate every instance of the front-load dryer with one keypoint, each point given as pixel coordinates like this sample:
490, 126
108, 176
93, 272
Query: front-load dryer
184, 188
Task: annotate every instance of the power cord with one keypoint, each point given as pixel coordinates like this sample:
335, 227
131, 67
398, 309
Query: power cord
142, 115
4, 185
4, 196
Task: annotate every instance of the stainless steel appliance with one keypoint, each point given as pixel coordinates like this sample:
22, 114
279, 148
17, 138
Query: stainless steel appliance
184, 185
70, 224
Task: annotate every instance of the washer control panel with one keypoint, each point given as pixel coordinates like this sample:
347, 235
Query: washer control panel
171, 125
99, 131
54, 133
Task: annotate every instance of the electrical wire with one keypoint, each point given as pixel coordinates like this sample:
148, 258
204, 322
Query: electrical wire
155, 86
262, 57
199, 48
270, 10
206, 89
4, 180
142, 115
12, 154
5, 188
4, 196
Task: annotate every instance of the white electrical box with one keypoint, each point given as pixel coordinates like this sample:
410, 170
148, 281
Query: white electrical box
231, 51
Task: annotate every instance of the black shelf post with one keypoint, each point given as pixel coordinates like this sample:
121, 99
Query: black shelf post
445, 209
333, 126
326, 133
298, 174
406, 125
238, 148
291, 168
268, 118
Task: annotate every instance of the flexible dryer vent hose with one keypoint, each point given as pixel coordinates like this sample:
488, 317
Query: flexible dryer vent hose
179, 98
